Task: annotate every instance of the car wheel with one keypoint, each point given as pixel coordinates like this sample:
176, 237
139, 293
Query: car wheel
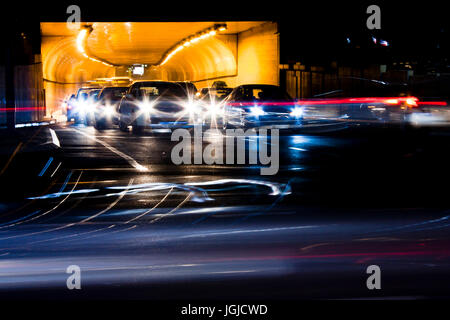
99, 125
137, 129
225, 124
123, 126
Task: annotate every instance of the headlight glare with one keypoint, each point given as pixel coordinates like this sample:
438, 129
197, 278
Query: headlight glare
297, 112
146, 107
257, 111
109, 110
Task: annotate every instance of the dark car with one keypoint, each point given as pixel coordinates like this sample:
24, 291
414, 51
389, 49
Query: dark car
154, 104
91, 105
82, 104
70, 107
106, 111
256, 105
189, 87
214, 94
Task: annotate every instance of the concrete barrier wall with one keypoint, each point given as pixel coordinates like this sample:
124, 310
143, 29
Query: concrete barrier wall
29, 94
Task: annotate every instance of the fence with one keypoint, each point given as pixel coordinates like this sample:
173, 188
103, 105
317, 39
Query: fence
307, 82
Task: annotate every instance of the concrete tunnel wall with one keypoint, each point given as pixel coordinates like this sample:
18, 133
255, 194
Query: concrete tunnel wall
65, 69
251, 56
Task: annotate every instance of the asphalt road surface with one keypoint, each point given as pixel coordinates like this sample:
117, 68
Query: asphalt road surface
138, 226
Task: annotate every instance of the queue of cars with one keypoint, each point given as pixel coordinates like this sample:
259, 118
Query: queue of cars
105, 111
155, 104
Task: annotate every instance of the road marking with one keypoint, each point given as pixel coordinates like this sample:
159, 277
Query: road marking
41, 215
121, 195
55, 170
151, 209
174, 209
46, 167
298, 149
226, 232
10, 158
55, 139
83, 221
130, 160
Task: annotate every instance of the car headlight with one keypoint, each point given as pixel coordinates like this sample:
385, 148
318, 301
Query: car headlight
215, 109
191, 108
297, 112
257, 111
109, 110
82, 106
146, 107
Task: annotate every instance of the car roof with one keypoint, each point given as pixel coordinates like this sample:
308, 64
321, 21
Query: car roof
258, 85
110, 87
154, 81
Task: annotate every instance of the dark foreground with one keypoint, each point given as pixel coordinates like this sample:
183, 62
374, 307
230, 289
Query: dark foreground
341, 202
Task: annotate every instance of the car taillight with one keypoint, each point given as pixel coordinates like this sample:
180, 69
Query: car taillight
404, 101
400, 101
412, 102
433, 103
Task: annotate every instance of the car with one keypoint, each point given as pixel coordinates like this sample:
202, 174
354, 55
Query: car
81, 105
190, 88
260, 105
363, 102
106, 109
211, 100
151, 103
214, 94
91, 105
70, 107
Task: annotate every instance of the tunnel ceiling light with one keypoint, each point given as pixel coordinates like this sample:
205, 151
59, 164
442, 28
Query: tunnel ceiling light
80, 40
191, 40
81, 46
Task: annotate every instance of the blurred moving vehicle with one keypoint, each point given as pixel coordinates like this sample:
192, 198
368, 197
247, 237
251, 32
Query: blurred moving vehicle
434, 101
149, 104
363, 102
433, 113
361, 111
257, 105
106, 109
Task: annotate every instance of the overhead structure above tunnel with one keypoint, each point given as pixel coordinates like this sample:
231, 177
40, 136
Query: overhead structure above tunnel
234, 51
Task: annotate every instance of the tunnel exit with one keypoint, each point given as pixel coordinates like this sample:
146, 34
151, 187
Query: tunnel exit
237, 52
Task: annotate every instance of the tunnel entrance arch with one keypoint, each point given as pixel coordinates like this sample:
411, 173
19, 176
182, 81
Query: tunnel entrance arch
241, 52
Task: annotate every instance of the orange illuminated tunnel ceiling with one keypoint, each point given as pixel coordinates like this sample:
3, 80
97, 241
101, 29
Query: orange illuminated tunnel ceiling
124, 44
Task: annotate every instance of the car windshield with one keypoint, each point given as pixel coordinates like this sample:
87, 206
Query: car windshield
164, 90
188, 86
216, 94
81, 91
261, 93
113, 93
